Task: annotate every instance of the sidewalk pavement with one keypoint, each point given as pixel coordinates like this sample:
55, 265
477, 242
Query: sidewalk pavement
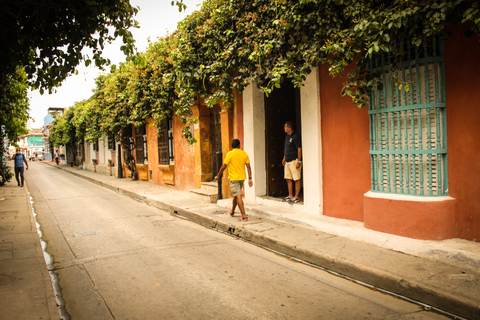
442, 274
25, 284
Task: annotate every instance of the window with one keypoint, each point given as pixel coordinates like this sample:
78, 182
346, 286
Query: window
96, 145
79, 150
165, 143
408, 145
141, 144
111, 142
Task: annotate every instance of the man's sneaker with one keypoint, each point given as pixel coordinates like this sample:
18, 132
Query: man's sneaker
287, 199
294, 200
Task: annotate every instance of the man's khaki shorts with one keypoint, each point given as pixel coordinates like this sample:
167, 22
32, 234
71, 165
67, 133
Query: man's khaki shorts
236, 187
291, 171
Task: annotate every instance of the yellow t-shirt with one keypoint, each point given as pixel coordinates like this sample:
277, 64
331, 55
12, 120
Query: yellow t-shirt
236, 160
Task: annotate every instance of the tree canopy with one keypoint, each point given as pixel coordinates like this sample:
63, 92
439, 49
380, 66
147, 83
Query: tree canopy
229, 44
47, 37
14, 105
41, 44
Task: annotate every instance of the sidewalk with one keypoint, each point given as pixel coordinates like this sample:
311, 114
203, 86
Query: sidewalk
442, 274
25, 284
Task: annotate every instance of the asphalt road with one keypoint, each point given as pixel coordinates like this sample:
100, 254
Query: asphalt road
117, 258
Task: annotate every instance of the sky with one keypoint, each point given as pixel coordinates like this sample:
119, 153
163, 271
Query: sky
157, 18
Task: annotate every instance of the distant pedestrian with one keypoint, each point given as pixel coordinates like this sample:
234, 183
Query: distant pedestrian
236, 160
292, 160
19, 160
57, 158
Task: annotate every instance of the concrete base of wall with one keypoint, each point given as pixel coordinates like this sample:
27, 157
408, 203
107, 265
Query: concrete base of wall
100, 168
425, 218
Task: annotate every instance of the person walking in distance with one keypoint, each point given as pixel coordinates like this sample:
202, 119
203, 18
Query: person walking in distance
292, 161
235, 161
19, 160
57, 160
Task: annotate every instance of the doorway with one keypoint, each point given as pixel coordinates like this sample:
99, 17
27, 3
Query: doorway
216, 138
282, 105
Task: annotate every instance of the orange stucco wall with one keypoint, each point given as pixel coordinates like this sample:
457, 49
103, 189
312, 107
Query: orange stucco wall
346, 164
152, 146
462, 76
414, 218
238, 118
345, 148
184, 158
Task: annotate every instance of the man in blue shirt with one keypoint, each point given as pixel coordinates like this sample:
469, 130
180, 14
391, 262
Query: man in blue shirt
19, 159
292, 160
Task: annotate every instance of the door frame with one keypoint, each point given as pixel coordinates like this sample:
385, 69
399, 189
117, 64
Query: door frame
254, 137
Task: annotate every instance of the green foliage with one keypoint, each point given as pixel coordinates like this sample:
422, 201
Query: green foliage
13, 113
229, 44
14, 104
41, 43
179, 3
7, 175
63, 131
5, 172
47, 37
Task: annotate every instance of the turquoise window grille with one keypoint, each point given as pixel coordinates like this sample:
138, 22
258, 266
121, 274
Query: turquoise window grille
408, 138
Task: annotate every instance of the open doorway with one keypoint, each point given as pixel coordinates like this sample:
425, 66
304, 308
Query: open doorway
282, 105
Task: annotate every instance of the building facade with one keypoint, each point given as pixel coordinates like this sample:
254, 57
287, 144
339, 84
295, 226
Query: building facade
407, 165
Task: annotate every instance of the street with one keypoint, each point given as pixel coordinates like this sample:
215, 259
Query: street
117, 258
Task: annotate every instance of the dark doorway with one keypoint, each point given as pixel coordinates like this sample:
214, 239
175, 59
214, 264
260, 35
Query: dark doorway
216, 138
282, 105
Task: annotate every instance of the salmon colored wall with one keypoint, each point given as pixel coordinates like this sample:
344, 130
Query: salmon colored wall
152, 146
184, 158
462, 76
345, 148
238, 118
412, 218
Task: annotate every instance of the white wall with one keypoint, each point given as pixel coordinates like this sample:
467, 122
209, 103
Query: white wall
254, 139
102, 145
312, 144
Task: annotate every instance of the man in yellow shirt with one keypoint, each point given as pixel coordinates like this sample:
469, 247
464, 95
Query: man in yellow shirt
236, 160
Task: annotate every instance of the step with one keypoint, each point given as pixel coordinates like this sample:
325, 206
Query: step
207, 196
210, 185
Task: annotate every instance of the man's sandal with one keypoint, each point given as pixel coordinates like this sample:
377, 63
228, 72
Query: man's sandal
231, 214
287, 199
243, 219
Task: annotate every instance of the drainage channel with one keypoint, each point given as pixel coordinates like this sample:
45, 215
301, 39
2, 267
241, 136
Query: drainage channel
426, 307
51, 270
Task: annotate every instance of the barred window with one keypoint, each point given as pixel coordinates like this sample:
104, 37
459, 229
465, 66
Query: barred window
165, 143
95, 145
141, 144
111, 142
408, 144
79, 150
